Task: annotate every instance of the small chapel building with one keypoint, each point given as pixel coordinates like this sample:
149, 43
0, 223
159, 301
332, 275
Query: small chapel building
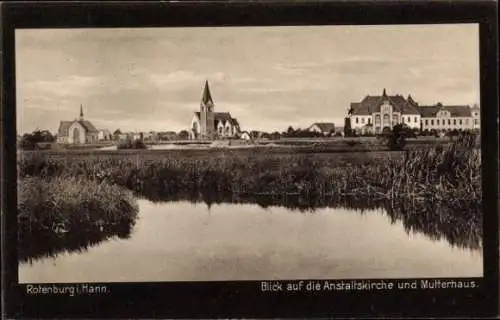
210, 125
78, 131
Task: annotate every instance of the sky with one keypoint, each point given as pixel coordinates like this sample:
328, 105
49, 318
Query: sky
151, 79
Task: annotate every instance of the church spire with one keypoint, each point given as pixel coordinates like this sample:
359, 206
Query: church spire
81, 112
384, 94
207, 96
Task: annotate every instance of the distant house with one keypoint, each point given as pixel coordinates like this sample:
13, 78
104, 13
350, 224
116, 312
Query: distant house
324, 128
78, 131
104, 135
245, 136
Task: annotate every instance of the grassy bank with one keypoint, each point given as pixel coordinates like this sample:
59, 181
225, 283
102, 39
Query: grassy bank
59, 209
448, 173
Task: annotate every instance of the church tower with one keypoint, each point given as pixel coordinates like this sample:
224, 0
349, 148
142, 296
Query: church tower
81, 113
207, 126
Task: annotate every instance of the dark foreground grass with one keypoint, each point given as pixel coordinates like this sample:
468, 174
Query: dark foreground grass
59, 209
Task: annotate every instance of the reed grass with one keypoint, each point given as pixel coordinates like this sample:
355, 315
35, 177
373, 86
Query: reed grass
63, 204
449, 173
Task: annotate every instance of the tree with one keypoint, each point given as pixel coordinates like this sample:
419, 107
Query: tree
397, 138
183, 135
347, 127
275, 135
29, 140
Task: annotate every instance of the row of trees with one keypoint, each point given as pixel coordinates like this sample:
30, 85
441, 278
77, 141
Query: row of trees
29, 141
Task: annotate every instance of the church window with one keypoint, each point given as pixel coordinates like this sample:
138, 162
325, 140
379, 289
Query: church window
76, 135
454, 122
195, 127
220, 130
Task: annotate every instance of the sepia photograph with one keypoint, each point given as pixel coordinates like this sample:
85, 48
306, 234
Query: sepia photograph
248, 153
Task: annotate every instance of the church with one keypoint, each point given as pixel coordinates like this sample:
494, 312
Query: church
78, 131
208, 124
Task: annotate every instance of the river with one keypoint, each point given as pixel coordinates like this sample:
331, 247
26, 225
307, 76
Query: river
186, 241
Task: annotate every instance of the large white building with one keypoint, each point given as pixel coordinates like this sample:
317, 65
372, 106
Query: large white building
374, 113
441, 117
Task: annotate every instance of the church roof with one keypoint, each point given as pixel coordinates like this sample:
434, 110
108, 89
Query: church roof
207, 96
64, 127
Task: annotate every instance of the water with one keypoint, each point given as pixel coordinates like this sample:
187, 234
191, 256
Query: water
184, 241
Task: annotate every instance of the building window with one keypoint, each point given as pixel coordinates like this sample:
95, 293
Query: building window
395, 118
449, 121
386, 120
403, 119
437, 122
476, 121
432, 122
377, 119
362, 120
409, 120
357, 120
415, 120
460, 121
369, 120
454, 122
426, 122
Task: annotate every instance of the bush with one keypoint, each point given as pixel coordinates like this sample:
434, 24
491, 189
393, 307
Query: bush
397, 138
72, 204
132, 144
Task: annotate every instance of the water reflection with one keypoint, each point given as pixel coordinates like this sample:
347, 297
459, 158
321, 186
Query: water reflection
460, 227
49, 245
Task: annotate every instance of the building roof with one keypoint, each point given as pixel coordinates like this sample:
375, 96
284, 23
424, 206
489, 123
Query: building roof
371, 104
324, 126
455, 111
207, 96
64, 127
222, 117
